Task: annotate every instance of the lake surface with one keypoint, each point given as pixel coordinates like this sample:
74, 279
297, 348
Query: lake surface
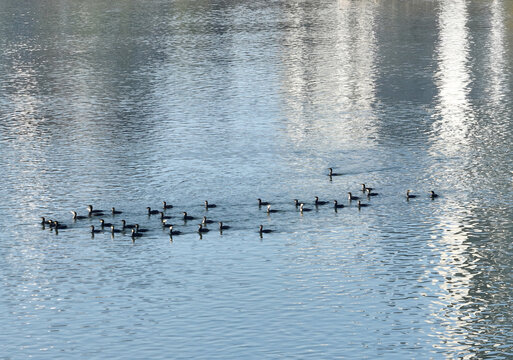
129, 103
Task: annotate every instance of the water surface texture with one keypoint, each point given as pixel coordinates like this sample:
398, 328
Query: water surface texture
129, 103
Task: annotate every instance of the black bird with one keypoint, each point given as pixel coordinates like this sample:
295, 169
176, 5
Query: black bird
206, 221
115, 212
432, 194
94, 212
261, 230
336, 205
165, 205
173, 232
125, 226
319, 202
151, 212
187, 217
77, 217
262, 203
56, 225
269, 210
45, 222
223, 227
364, 188
94, 231
113, 230
331, 173
370, 193
303, 209
139, 229
296, 202
409, 195
208, 206
103, 224
164, 217
135, 234
201, 229
351, 197
360, 205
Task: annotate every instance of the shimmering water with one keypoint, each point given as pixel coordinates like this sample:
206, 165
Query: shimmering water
129, 103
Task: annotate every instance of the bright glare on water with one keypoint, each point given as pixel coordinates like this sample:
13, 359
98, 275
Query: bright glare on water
130, 103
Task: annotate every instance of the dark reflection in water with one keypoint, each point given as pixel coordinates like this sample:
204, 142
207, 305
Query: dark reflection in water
130, 103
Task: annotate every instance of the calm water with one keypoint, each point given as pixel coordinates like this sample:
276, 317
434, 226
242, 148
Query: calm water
128, 103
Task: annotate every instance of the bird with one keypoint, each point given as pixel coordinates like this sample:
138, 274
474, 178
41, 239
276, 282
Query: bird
44, 221
77, 217
94, 212
165, 205
139, 229
125, 226
364, 188
103, 224
187, 217
370, 193
56, 225
260, 202
261, 230
432, 194
173, 232
208, 206
336, 205
206, 221
164, 217
269, 210
319, 202
302, 208
296, 202
94, 231
331, 173
151, 212
360, 205
113, 230
115, 212
351, 197
135, 234
409, 195
223, 227
201, 229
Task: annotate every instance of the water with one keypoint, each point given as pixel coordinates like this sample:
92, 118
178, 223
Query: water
130, 103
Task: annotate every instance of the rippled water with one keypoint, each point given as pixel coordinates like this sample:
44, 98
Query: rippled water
130, 103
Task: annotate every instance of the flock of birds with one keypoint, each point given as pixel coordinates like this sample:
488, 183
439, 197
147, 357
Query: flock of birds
136, 231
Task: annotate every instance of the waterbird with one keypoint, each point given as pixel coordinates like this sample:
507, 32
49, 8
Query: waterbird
135, 234
360, 205
115, 212
103, 223
77, 217
201, 229
261, 230
165, 205
409, 195
269, 210
351, 197
151, 212
126, 226
260, 202
364, 188
223, 227
331, 173
296, 202
93, 212
187, 217
432, 194
370, 193
302, 208
208, 206
336, 205
56, 225
45, 221
94, 231
164, 217
114, 230
319, 202
139, 229
173, 232
206, 221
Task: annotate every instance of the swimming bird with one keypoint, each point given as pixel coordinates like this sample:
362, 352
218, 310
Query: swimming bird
114, 230
206, 221
260, 202
409, 195
201, 229
151, 212
432, 194
56, 225
364, 188
187, 217
135, 234
351, 197
261, 230
360, 205
302, 208
165, 205
208, 206
296, 202
115, 212
269, 210
103, 223
139, 229
319, 202
94, 231
223, 227
336, 205
126, 226
331, 173
173, 232
77, 217
44, 221
164, 217
370, 193
94, 212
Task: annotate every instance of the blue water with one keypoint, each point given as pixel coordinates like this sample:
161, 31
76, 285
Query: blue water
131, 103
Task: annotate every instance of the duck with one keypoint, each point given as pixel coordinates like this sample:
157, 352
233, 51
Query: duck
187, 217
126, 226
360, 205
370, 193
223, 227
164, 217
135, 234
165, 205
114, 230
269, 210
319, 202
152, 212
94, 231
261, 230
206, 221
103, 223
303, 209
94, 212
409, 195
208, 206
115, 212
432, 194
364, 188
336, 205
201, 229
77, 217
139, 229
351, 197
173, 232
56, 225
331, 173
262, 203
